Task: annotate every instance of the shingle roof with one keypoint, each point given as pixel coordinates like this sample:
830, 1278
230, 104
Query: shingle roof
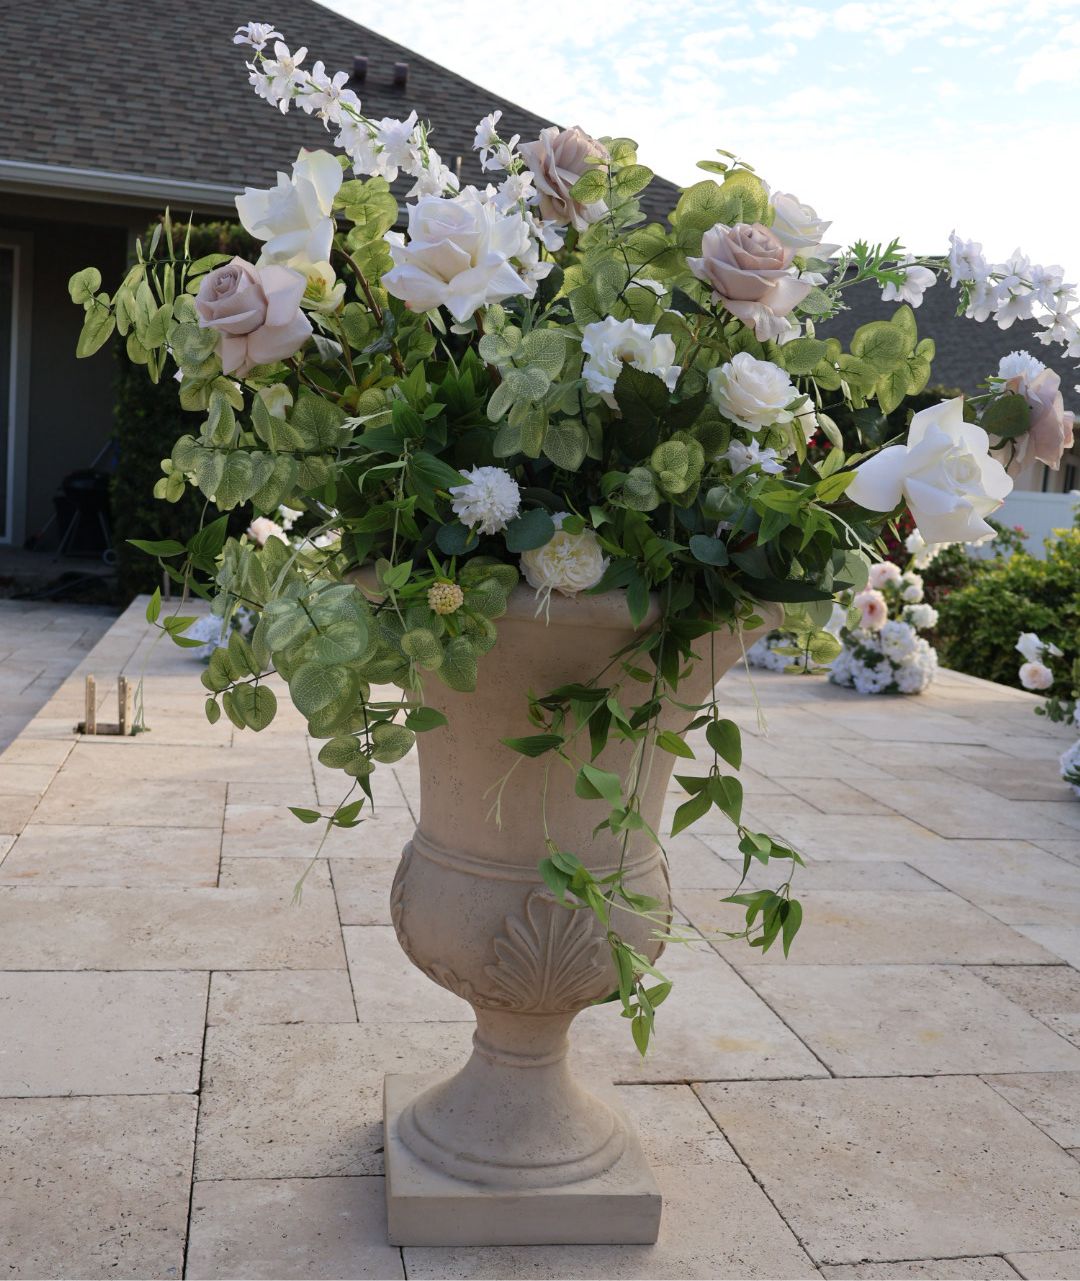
159, 90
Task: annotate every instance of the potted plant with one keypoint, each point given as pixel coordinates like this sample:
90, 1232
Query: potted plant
554, 470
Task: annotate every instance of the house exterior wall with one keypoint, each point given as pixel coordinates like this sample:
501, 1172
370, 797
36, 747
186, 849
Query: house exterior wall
70, 401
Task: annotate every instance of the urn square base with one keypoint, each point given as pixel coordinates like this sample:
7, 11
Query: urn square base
426, 1207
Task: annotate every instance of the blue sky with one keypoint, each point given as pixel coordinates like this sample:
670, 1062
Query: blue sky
892, 117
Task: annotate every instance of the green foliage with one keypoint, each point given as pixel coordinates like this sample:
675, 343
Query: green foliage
979, 623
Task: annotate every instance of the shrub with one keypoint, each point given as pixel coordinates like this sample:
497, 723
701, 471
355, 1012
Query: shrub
149, 421
979, 624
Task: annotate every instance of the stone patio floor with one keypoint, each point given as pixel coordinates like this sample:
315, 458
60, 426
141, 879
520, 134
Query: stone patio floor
191, 1068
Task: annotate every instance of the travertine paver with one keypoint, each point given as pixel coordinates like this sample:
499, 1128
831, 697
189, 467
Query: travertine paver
95, 1187
306, 1101
989, 1268
911, 1020
89, 1033
104, 854
883, 1169
1048, 1265
284, 1228
1050, 1099
148, 941
723, 1031
898, 927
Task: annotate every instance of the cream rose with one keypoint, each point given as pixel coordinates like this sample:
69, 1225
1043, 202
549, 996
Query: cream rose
294, 218
798, 227
256, 311
608, 344
753, 393
1051, 431
945, 473
458, 255
883, 572
749, 269
568, 563
263, 528
557, 159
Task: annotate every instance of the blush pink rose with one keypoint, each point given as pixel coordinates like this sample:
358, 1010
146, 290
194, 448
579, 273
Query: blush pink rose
1051, 431
750, 273
256, 310
875, 612
557, 159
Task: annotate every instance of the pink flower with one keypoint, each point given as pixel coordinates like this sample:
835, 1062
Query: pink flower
1051, 431
557, 160
885, 572
750, 273
263, 528
256, 310
875, 611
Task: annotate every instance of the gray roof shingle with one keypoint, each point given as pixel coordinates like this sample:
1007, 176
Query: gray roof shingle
160, 91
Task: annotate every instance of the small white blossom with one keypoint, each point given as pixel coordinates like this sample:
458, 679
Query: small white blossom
256, 34
490, 500
741, 456
917, 280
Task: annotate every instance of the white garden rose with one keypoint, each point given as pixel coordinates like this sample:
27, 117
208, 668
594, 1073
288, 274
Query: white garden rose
1036, 676
874, 609
945, 473
293, 218
609, 344
753, 393
277, 398
458, 255
567, 563
262, 528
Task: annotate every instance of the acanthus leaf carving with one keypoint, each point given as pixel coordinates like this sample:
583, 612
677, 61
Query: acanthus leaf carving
551, 962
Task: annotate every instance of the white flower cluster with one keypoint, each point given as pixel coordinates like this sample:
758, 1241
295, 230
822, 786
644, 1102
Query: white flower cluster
883, 655
1016, 290
375, 147
922, 553
1070, 767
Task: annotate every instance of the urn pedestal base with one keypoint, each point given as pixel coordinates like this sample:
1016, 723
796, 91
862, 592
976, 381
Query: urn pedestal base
620, 1206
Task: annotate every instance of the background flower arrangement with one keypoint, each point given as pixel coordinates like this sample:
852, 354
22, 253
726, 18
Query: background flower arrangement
530, 381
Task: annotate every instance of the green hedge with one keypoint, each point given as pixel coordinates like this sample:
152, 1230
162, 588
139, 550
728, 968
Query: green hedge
149, 421
979, 624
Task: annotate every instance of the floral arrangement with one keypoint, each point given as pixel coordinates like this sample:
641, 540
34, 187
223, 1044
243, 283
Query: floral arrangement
883, 654
529, 379
1062, 705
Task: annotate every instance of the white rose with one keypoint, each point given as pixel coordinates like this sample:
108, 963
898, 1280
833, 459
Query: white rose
294, 217
799, 228
1033, 649
752, 393
609, 344
457, 255
1036, 676
944, 472
568, 563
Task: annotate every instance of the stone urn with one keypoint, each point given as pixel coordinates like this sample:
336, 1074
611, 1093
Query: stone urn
512, 1149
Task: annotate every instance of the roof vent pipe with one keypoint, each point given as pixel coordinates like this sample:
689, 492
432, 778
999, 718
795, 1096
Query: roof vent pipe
359, 70
401, 75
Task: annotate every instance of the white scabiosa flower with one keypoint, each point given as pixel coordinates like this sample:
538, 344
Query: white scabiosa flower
567, 563
922, 617
490, 500
752, 393
1022, 366
609, 344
